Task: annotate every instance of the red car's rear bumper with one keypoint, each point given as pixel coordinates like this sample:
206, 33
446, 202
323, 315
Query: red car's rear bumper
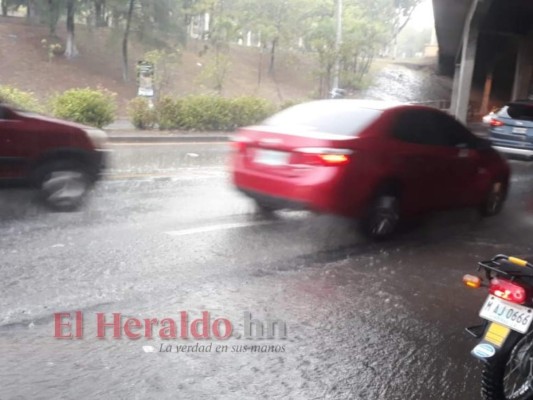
318, 190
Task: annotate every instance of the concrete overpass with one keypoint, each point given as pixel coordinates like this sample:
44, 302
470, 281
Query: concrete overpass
488, 43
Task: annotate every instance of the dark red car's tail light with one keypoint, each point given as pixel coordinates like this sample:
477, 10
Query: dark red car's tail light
508, 290
496, 122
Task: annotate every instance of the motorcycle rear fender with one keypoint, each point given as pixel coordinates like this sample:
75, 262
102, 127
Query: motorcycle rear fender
488, 349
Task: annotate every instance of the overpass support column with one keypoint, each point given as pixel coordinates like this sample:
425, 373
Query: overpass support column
455, 89
463, 74
522, 78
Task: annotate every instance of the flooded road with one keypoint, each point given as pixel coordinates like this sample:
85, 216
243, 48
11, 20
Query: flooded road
165, 233
408, 83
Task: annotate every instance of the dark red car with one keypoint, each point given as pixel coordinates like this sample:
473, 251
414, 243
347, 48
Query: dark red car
371, 160
61, 159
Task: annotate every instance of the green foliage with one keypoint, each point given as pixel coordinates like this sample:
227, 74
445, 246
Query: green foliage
19, 99
211, 113
142, 113
164, 61
412, 41
86, 106
168, 113
206, 113
402, 12
215, 71
249, 110
54, 48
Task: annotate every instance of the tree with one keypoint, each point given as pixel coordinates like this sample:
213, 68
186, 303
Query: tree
412, 41
363, 37
32, 13
11, 5
320, 39
278, 23
99, 13
53, 14
403, 11
125, 40
71, 50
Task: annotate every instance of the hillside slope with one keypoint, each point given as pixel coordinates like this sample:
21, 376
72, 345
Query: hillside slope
24, 64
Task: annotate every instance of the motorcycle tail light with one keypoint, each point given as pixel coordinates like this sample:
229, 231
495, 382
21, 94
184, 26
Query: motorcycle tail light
508, 291
472, 281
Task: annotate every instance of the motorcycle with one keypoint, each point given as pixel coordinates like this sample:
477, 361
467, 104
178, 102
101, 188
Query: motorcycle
506, 335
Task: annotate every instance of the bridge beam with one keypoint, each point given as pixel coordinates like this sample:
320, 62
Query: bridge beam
465, 70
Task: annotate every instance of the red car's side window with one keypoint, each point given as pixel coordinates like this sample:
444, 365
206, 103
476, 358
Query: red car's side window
430, 128
411, 126
449, 132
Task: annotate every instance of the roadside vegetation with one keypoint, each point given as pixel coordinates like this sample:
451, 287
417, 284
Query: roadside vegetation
192, 113
278, 32
218, 64
199, 113
85, 105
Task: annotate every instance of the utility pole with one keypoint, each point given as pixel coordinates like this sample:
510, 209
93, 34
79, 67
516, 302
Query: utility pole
338, 41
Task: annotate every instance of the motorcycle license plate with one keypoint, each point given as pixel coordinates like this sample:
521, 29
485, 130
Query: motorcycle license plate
511, 315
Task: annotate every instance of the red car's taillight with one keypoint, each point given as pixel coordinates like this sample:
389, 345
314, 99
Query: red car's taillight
323, 156
496, 122
334, 159
508, 291
239, 143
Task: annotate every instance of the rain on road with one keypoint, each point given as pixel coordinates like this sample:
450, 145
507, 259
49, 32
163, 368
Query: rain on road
165, 232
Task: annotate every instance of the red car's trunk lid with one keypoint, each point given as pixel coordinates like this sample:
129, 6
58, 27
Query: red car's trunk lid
289, 149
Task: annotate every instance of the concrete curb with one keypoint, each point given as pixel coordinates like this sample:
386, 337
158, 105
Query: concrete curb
168, 139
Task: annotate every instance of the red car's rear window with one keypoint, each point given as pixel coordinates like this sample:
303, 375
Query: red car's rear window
336, 118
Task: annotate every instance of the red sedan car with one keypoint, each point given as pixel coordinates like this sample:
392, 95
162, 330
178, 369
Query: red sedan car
375, 161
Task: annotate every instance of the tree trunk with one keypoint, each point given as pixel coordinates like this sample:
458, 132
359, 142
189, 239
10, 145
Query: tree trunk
260, 67
125, 42
70, 51
53, 16
32, 16
272, 56
99, 12
4, 8
486, 93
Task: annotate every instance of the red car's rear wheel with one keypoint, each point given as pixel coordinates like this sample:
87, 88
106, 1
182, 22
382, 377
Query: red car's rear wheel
383, 216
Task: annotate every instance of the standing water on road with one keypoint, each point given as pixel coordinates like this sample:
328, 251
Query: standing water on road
408, 83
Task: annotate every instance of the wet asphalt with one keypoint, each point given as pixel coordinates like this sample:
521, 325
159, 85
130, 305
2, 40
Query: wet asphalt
165, 232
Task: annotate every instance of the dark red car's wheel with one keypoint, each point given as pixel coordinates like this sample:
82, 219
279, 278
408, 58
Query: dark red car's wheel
63, 185
494, 200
